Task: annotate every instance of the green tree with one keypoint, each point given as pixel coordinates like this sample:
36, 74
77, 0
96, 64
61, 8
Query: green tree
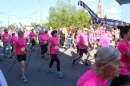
63, 15
105, 17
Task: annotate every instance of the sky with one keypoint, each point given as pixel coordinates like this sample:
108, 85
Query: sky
25, 11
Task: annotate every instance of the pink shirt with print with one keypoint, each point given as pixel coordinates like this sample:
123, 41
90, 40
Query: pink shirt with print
13, 39
20, 44
32, 35
83, 38
124, 48
90, 78
104, 41
6, 38
54, 42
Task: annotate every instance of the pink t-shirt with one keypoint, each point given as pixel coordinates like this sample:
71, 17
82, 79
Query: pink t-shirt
84, 39
6, 38
124, 48
104, 41
91, 38
20, 46
26, 34
47, 35
43, 39
32, 35
90, 78
54, 42
97, 33
77, 40
13, 39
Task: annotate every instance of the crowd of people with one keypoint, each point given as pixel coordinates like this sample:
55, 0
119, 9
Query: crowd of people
111, 59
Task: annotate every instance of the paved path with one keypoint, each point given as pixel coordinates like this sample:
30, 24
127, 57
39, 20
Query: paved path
42, 78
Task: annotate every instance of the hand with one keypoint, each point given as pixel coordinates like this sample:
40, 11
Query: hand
15, 59
49, 55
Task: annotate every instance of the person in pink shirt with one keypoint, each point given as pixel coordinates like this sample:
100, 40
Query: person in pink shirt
124, 47
53, 49
49, 32
13, 39
83, 44
20, 53
43, 43
91, 39
105, 39
32, 37
107, 66
6, 38
77, 40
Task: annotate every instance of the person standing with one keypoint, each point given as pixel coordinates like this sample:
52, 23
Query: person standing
53, 49
6, 38
20, 53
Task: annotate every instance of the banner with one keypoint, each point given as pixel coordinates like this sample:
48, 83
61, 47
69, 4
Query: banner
101, 21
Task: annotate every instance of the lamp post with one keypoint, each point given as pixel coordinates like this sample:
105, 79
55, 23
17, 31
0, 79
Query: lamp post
41, 12
8, 14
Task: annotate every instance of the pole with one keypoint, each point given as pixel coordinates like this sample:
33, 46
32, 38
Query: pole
8, 18
36, 17
41, 12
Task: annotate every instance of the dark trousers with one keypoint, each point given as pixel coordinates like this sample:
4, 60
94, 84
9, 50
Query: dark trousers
55, 58
62, 40
43, 49
33, 42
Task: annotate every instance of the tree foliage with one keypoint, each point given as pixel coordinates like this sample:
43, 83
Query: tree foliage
63, 15
105, 17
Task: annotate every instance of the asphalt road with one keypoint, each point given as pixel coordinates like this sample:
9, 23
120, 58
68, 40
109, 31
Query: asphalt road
42, 78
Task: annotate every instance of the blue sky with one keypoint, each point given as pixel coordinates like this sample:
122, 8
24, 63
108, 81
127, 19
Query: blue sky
25, 9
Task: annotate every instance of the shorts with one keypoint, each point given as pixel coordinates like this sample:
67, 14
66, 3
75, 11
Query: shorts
121, 80
81, 51
21, 58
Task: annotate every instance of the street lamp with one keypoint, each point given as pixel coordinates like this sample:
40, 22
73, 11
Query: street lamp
8, 14
41, 12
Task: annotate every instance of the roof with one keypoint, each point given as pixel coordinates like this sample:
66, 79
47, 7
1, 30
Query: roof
119, 1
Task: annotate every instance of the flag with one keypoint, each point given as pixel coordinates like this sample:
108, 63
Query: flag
99, 8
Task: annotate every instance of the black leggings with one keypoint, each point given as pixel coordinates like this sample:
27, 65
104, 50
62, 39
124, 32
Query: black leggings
44, 49
77, 48
55, 58
121, 80
33, 42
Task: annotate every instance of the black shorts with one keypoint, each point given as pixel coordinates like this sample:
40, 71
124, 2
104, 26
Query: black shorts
82, 51
121, 80
21, 58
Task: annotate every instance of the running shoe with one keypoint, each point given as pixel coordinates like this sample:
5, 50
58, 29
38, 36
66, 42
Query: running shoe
50, 71
24, 79
60, 75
